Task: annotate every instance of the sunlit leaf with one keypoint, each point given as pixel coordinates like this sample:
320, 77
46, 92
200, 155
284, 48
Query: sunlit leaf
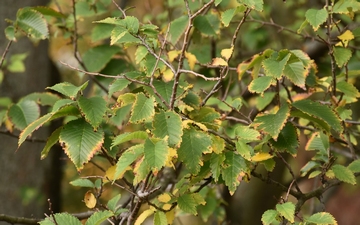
272, 123
127, 158
344, 174
193, 144
269, 216
80, 141
345, 38
156, 153
122, 138
145, 214
275, 68
168, 124
316, 17
322, 218
219, 62
342, 56
261, 84
191, 58
261, 156
287, 210
90, 200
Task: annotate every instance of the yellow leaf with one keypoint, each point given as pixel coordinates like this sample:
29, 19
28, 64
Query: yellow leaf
172, 153
219, 62
9, 126
345, 38
261, 156
166, 207
191, 59
170, 216
109, 175
185, 124
227, 52
143, 216
241, 69
173, 54
165, 197
167, 75
90, 200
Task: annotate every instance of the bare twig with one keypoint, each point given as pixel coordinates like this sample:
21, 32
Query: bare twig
290, 170
119, 8
27, 139
199, 75
5, 53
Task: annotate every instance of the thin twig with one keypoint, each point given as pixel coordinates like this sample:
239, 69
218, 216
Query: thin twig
119, 8
290, 170
5, 53
199, 75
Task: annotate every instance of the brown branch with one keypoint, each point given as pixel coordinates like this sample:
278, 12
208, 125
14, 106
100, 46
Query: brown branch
5, 53
27, 139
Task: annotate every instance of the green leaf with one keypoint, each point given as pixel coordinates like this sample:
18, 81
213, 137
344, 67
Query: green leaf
344, 174
272, 123
264, 100
346, 6
23, 113
120, 84
101, 32
319, 111
287, 210
260, 84
140, 53
189, 202
132, 24
227, 16
96, 58
269, 217
207, 25
32, 23
16, 64
98, 217
316, 17
122, 138
351, 93
32, 127
156, 153
94, 109
287, 140
61, 219
216, 161
10, 33
342, 56
127, 158
80, 141
143, 108
47, 11
82, 182
44, 99
177, 29
217, 2
194, 144
318, 141
354, 166
68, 89
160, 218
244, 149
253, 4
51, 141
321, 218
113, 202
111, 20
275, 68
247, 133
233, 165
296, 73
168, 124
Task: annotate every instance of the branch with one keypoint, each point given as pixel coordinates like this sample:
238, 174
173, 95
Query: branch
5, 53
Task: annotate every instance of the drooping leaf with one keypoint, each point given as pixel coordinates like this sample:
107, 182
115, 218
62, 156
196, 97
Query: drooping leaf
287, 140
193, 144
82, 182
68, 89
142, 109
93, 108
95, 59
207, 25
269, 216
261, 84
113, 202
156, 153
253, 4
189, 202
122, 138
160, 218
32, 23
342, 56
80, 141
127, 158
322, 218
168, 124
316, 17
61, 219
287, 210
344, 174
177, 29
51, 141
233, 165
98, 217
272, 123
23, 113
320, 111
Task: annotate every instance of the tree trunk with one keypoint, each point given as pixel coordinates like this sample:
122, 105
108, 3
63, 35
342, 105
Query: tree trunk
23, 176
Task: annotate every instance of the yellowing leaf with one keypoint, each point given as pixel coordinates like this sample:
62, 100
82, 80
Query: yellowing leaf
241, 69
191, 59
110, 174
164, 198
170, 216
90, 200
167, 75
171, 154
173, 54
219, 62
261, 156
345, 38
166, 207
143, 216
227, 52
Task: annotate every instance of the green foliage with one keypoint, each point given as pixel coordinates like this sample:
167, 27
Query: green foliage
178, 106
